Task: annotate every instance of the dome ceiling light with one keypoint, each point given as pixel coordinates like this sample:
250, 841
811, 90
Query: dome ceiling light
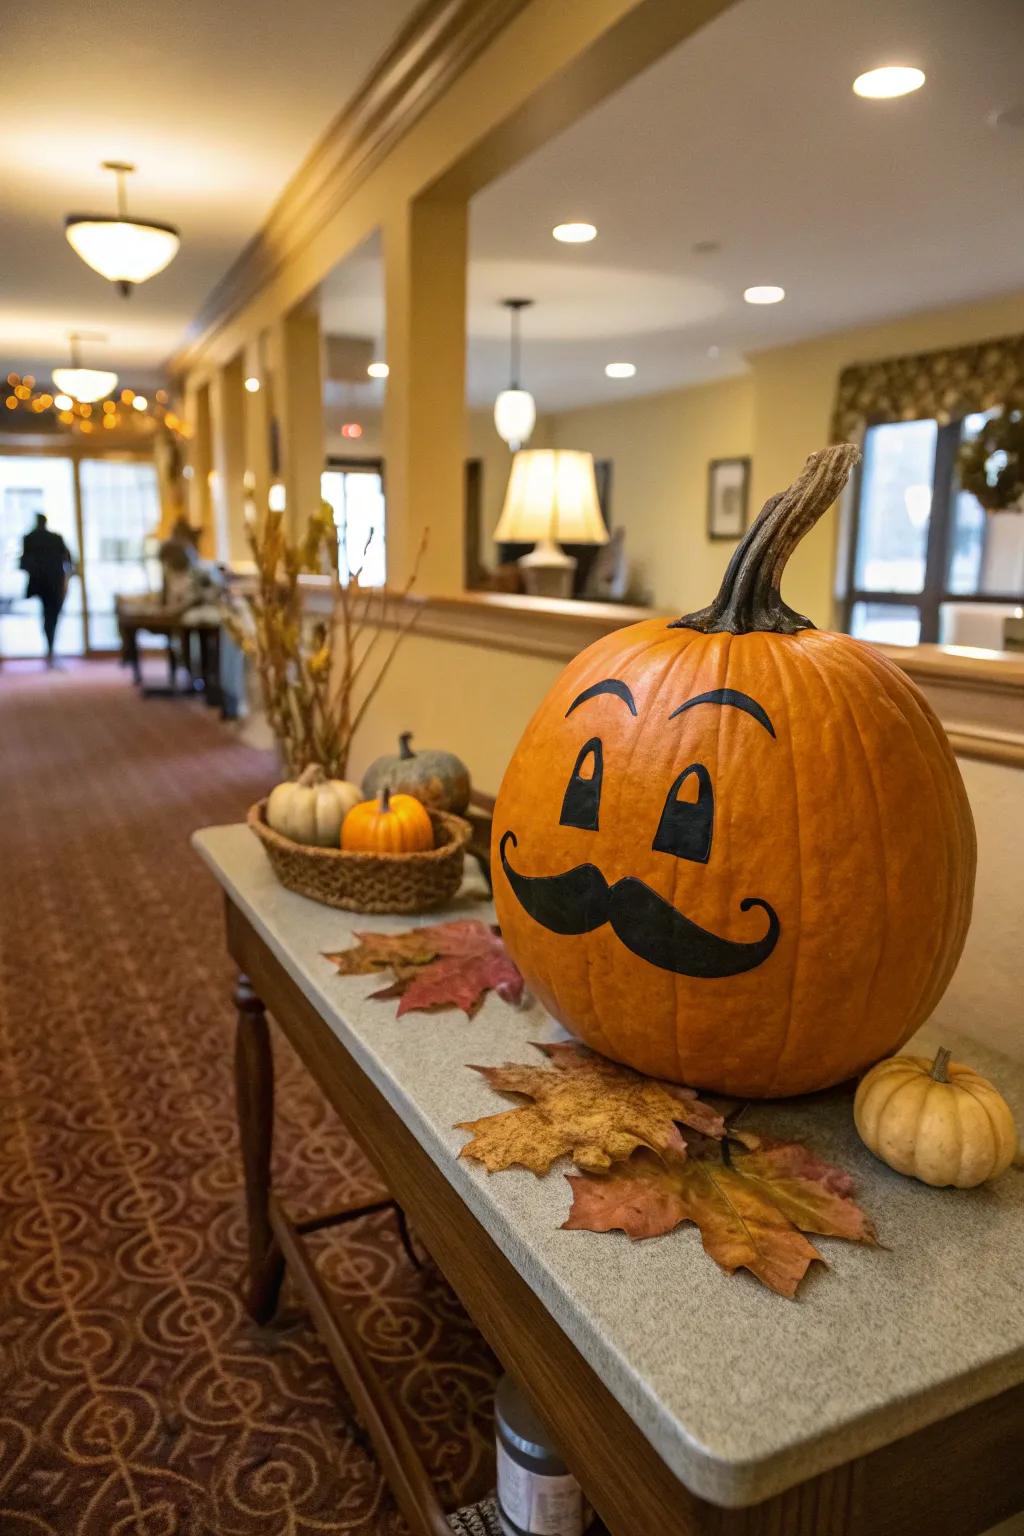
122, 249
86, 385
515, 411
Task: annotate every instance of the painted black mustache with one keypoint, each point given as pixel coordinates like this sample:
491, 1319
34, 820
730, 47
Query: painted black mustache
581, 899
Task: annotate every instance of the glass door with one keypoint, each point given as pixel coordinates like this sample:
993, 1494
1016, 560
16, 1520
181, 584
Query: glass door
120, 519
30, 485
354, 490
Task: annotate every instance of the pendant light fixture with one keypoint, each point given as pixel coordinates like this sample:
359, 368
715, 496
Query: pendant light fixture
119, 248
86, 385
515, 412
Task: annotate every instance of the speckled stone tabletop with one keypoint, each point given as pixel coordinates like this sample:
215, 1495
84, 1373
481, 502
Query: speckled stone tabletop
741, 1392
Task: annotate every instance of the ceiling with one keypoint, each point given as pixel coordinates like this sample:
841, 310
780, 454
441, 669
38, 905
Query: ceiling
217, 105
748, 136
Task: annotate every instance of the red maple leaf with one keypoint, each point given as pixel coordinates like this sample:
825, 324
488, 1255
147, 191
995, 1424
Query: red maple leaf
446, 965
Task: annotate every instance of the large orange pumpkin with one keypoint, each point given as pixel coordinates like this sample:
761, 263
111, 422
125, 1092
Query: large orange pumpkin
734, 851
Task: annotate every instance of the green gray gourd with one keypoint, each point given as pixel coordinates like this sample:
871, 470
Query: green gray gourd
439, 779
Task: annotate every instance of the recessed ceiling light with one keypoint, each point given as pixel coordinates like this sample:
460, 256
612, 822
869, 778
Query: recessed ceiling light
378, 370
620, 370
252, 385
890, 80
713, 351
764, 293
574, 234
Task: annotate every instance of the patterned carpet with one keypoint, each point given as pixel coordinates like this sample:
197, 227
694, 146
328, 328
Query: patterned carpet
136, 1399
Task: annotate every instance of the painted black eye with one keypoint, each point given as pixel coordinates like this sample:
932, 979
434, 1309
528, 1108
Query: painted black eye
686, 826
583, 791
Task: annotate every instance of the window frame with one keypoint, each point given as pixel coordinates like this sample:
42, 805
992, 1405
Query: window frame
935, 590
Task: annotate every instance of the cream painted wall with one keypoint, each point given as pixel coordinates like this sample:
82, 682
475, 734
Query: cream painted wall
660, 446
470, 700
986, 996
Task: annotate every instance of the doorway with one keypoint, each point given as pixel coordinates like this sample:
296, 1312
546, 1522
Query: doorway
108, 514
30, 485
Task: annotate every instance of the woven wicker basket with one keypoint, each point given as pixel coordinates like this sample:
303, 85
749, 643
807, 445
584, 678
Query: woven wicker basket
369, 882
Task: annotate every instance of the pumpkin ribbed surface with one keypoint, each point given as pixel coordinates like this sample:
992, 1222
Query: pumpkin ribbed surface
953, 1129
850, 822
389, 824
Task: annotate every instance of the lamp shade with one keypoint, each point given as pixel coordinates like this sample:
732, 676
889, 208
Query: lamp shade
84, 384
515, 415
552, 494
122, 250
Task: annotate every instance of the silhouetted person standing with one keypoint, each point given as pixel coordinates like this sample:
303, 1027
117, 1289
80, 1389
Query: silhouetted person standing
47, 562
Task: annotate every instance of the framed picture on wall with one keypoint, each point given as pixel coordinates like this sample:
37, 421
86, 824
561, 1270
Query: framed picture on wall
728, 495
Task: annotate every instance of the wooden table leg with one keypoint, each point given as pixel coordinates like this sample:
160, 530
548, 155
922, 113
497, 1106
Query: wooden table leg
254, 1092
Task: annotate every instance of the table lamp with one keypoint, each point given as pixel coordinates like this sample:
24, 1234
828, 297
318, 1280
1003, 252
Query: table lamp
552, 495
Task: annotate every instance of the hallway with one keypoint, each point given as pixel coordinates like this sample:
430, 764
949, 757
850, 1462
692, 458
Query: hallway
135, 1396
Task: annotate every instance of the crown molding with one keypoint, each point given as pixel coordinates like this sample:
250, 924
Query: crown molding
436, 45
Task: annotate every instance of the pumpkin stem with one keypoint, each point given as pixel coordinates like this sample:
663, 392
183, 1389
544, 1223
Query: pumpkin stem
749, 597
310, 775
384, 800
940, 1064
405, 751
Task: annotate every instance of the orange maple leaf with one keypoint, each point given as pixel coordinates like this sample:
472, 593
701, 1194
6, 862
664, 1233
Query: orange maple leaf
751, 1199
587, 1108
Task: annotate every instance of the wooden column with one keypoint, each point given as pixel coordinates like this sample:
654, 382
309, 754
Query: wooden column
257, 410
425, 408
227, 431
200, 462
297, 403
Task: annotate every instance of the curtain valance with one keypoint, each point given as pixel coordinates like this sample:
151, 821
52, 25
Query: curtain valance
944, 385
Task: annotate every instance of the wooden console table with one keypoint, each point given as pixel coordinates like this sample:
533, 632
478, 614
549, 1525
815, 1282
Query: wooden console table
888, 1400
134, 621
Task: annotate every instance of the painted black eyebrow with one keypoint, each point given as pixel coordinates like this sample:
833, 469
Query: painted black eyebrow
610, 685
729, 696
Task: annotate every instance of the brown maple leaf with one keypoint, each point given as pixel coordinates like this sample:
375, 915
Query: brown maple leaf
444, 965
381, 951
586, 1107
750, 1203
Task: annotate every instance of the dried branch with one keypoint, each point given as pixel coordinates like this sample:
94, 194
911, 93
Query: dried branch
308, 673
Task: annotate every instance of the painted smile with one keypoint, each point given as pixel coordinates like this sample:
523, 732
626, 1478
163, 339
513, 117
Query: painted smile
581, 900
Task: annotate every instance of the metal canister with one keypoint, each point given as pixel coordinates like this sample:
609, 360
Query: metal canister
537, 1494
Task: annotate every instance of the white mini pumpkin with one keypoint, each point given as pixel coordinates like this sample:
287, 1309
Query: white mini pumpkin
311, 808
937, 1121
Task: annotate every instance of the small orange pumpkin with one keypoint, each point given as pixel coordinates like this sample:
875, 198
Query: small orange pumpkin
733, 851
388, 824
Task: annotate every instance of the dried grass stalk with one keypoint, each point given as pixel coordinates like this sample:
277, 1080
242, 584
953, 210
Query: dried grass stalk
317, 680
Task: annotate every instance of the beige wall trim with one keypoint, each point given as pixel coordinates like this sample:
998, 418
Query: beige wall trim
980, 703
435, 46
987, 748
486, 83
976, 693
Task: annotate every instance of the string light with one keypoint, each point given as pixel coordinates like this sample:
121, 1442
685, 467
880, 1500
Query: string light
129, 411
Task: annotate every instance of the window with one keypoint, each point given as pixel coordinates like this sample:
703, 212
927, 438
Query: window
922, 549
120, 515
355, 490
29, 485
